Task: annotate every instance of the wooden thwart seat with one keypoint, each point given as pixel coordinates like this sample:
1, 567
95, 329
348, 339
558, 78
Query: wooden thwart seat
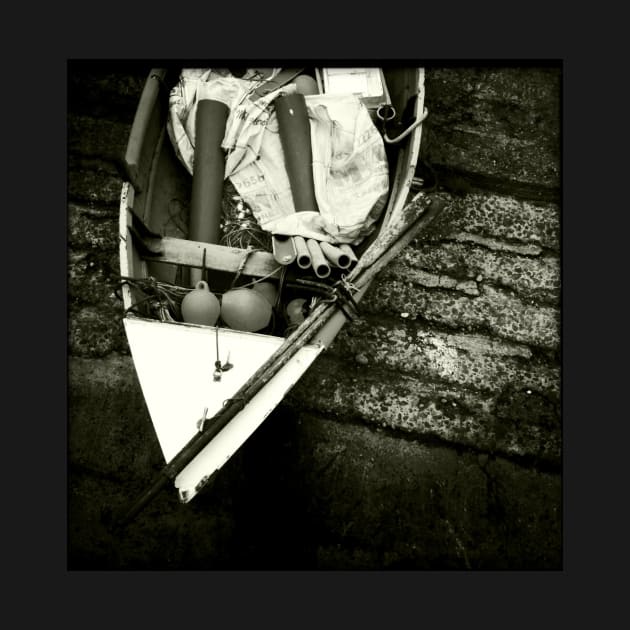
178, 251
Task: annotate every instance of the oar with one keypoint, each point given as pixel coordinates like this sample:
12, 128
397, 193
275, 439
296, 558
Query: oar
382, 255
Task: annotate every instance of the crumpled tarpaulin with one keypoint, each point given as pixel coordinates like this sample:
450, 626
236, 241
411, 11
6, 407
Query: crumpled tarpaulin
350, 168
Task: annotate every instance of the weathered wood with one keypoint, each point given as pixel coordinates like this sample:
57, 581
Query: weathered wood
179, 251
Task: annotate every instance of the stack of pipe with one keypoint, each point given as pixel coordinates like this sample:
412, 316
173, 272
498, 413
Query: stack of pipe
309, 252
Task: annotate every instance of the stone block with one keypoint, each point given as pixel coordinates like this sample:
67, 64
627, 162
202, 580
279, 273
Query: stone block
500, 422
495, 126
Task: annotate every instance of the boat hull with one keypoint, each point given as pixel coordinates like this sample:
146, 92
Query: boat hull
176, 362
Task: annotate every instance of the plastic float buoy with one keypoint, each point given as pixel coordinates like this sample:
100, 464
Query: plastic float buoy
295, 311
306, 85
200, 306
268, 290
245, 309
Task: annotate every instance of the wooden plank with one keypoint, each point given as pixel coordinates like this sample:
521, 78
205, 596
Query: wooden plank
218, 257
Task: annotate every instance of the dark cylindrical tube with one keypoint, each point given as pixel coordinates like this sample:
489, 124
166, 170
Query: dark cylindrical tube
208, 174
320, 264
295, 137
335, 255
302, 253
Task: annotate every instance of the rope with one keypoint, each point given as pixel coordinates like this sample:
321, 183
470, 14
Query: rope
237, 275
162, 298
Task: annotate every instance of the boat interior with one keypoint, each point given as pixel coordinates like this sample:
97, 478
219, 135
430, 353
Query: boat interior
159, 196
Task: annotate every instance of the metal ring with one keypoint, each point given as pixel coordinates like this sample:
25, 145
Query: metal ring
385, 112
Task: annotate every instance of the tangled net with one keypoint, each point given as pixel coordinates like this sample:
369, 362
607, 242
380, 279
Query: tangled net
162, 300
239, 227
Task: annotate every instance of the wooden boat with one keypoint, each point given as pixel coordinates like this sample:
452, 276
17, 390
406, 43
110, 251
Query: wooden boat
208, 387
